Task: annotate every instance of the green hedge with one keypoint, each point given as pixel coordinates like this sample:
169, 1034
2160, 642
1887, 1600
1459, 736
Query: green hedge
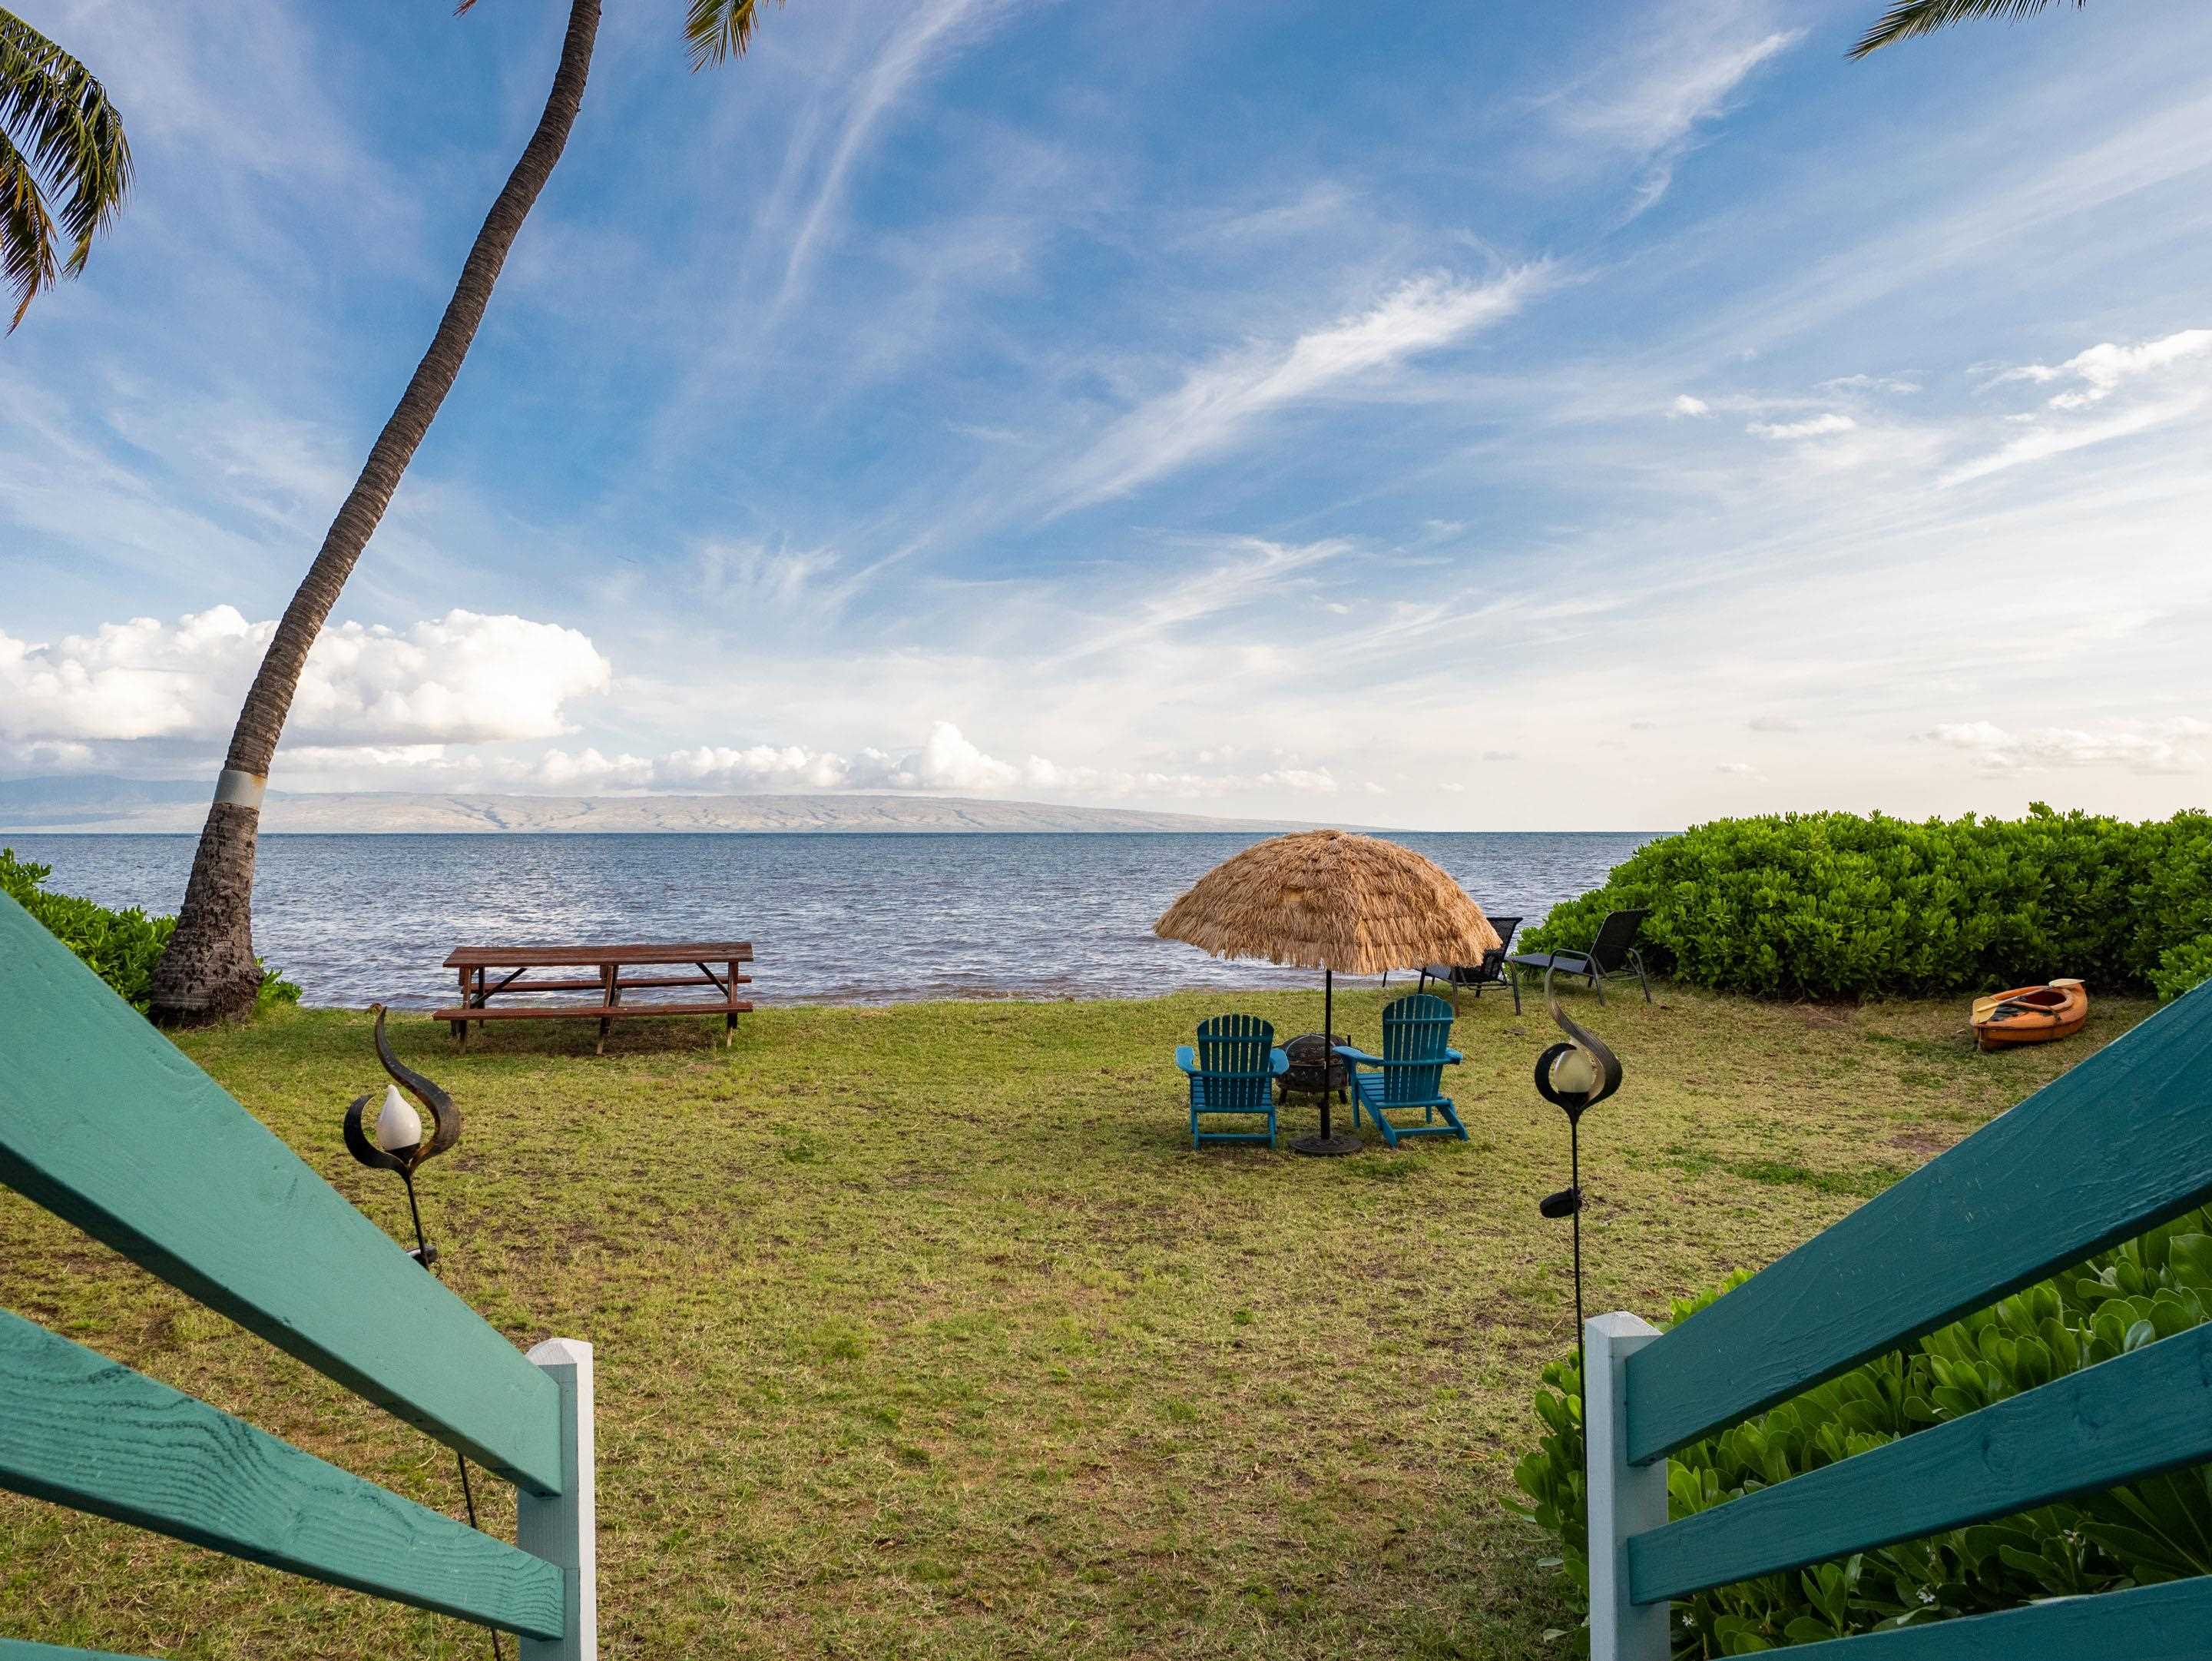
2156, 1530
121, 946
1828, 905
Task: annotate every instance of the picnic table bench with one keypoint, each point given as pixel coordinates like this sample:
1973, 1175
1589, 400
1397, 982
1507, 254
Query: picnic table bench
513, 964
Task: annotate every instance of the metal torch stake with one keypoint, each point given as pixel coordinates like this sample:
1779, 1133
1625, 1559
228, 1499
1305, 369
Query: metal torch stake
429, 1258
446, 1131
1599, 1076
1575, 1183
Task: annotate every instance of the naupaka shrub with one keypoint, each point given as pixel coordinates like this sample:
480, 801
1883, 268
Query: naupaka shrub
2156, 1529
121, 946
1839, 905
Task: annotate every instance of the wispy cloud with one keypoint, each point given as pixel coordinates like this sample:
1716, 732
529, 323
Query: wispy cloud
2041, 442
2167, 747
1650, 105
1217, 404
1819, 426
919, 36
1869, 383
1683, 81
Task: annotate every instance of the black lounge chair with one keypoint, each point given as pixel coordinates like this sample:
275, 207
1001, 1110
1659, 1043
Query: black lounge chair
1490, 971
1613, 953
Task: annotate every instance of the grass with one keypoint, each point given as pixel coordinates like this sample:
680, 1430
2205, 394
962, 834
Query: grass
922, 1333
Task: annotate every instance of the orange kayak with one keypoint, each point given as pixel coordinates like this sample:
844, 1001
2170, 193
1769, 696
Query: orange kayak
2031, 1014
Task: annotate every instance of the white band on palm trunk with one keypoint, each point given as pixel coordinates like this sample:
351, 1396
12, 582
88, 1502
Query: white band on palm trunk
239, 789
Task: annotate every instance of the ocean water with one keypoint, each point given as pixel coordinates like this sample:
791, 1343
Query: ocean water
839, 918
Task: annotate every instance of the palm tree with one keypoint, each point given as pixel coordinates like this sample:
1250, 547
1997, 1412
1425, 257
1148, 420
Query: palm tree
58, 132
1909, 17
209, 971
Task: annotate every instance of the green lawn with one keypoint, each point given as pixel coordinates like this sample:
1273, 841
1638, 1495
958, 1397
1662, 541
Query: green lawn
923, 1333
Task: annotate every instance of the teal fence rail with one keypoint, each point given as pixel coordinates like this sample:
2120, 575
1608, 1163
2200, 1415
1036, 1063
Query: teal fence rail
2119, 1145
107, 1124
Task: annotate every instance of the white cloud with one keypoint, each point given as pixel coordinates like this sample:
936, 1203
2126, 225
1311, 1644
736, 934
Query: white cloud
1658, 106
949, 760
946, 762
585, 772
1685, 404
756, 767
464, 679
2041, 442
1216, 403
2143, 747
1739, 769
1653, 105
2105, 368
1820, 426
2100, 372
460, 679
128, 680
1305, 781
1869, 383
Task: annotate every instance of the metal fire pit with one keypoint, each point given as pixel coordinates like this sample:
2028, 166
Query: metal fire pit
1314, 1070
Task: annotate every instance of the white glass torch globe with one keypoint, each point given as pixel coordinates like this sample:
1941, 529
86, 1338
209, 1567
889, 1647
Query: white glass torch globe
1573, 1073
398, 1127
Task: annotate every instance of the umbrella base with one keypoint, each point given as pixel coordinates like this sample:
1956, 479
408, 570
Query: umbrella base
1329, 1146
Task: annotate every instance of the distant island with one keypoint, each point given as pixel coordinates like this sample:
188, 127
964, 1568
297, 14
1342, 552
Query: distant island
107, 806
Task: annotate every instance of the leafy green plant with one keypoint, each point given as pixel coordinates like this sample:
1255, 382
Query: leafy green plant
121, 947
1834, 905
2182, 968
2157, 1528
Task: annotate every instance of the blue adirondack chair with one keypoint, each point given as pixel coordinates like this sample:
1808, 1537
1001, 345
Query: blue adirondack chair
1409, 1073
1232, 1069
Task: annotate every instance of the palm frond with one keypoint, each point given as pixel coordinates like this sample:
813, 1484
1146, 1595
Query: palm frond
1909, 17
716, 29
27, 231
58, 134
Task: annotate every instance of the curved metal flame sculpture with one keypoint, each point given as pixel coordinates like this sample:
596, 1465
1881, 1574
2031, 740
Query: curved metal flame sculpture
1574, 1077
445, 1117
1603, 1067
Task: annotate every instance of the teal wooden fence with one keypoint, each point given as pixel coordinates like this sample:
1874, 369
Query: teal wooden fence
2117, 1146
107, 1124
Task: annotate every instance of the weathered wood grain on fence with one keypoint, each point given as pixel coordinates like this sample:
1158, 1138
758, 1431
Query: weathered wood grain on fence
2150, 1623
106, 1123
2137, 1415
82, 1431
2067, 1172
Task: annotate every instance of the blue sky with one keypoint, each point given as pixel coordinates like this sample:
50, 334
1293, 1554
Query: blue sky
1444, 415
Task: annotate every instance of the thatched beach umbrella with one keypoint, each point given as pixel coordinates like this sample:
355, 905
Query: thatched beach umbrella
1328, 900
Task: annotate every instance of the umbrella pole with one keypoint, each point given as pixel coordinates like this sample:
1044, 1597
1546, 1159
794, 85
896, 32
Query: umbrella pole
1325, 1143
1328, 1043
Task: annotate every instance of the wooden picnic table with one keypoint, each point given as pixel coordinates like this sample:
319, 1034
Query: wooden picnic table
513, 966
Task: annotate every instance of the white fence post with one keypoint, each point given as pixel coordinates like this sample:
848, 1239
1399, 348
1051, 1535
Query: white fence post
1624, 1500
564, 1528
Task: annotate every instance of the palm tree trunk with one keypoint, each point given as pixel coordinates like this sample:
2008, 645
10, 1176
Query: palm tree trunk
208, 972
